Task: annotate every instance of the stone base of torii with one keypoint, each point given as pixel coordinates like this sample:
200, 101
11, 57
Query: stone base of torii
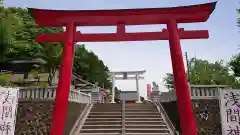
126, 75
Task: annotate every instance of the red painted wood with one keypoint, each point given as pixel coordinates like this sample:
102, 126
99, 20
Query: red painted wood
188, 124
114, 37
63, 89
185, 14
121, 18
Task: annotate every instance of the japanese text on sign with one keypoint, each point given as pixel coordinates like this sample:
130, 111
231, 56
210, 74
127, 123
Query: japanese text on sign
8, 108
230, 112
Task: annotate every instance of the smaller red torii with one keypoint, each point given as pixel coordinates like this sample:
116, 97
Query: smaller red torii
121, 18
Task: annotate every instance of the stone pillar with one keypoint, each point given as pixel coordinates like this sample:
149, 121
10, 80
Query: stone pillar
137, 87
113, 88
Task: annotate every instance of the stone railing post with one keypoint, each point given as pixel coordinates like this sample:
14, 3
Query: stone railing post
49, 93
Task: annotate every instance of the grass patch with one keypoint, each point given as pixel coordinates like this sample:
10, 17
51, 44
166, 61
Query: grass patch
5, 79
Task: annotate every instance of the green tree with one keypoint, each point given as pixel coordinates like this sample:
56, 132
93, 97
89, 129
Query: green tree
19, 40
24, 44
168, 81
10, 24
235, 65
51, 54
1, 3
203, 72
90, 67
235, 61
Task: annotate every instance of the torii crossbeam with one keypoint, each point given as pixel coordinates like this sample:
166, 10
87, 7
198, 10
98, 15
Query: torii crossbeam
122, 18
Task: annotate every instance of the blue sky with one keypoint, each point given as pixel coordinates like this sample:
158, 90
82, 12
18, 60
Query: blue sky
153, 56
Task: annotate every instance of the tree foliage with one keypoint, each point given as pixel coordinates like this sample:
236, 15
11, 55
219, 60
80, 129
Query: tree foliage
235, 65
203, 72
90, 67
235, 61
1, 3
10, 25
17, 38
168, 81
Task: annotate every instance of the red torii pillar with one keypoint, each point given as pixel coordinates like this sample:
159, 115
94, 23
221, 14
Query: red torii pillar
121, 18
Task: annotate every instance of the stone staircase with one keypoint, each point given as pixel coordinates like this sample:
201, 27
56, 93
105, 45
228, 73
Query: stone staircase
103, 119
144, 119
140, 119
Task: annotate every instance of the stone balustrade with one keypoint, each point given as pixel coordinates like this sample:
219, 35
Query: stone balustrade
205, 103
49, 93
196, 92
206, 91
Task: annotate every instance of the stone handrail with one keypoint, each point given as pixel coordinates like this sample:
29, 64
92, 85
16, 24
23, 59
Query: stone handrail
206, 91
166, 118
196, 92
123, 117
49, 93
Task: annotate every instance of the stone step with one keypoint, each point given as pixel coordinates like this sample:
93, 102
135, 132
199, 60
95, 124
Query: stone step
146, 134
142, 116
146, 130
107, 113
144, 122
102, 134
103, 119
140, 108
133, 108
102, 130
142, 113
107, 104
105, 116
106, 110
137, 110
162, 126
101, 126
143, 119
107, 107
140, 105
103, 122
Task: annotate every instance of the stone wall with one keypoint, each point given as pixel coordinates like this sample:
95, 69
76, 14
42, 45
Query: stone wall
171, 109
34, 117
207, 115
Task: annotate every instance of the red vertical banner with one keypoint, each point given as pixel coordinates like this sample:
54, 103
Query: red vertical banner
102, 95
149, 90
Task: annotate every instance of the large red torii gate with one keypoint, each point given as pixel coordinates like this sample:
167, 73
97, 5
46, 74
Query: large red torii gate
121, 18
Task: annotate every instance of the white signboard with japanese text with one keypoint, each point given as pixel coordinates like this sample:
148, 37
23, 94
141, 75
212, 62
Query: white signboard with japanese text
8, 110
230, 111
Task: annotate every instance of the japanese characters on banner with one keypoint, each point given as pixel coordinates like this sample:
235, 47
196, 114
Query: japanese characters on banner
230, 112
8, 110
